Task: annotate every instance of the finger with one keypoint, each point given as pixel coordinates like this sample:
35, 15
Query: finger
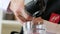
24, 14
19, 17
37, 20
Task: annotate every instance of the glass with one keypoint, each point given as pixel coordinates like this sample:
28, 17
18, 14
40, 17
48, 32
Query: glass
32, 28
35, 8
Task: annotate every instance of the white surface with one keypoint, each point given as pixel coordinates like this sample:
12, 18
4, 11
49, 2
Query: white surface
4, 4
0, 20
11, 22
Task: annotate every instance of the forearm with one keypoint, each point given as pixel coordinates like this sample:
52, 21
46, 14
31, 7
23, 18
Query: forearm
52, 27
16, 5
58, 29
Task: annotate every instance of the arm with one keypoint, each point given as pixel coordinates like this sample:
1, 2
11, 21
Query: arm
16, 4
52, 27
58, 29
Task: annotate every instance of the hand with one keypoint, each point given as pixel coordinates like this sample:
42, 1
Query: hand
37, 20
19, 11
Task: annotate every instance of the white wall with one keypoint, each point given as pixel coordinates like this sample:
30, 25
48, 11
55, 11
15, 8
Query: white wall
1, 15
4, 4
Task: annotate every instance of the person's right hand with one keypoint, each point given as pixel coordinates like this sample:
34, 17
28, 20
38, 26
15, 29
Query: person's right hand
22, 16
19, 11
17, 6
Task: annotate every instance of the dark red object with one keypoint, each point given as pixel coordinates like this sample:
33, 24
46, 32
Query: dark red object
54, 18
